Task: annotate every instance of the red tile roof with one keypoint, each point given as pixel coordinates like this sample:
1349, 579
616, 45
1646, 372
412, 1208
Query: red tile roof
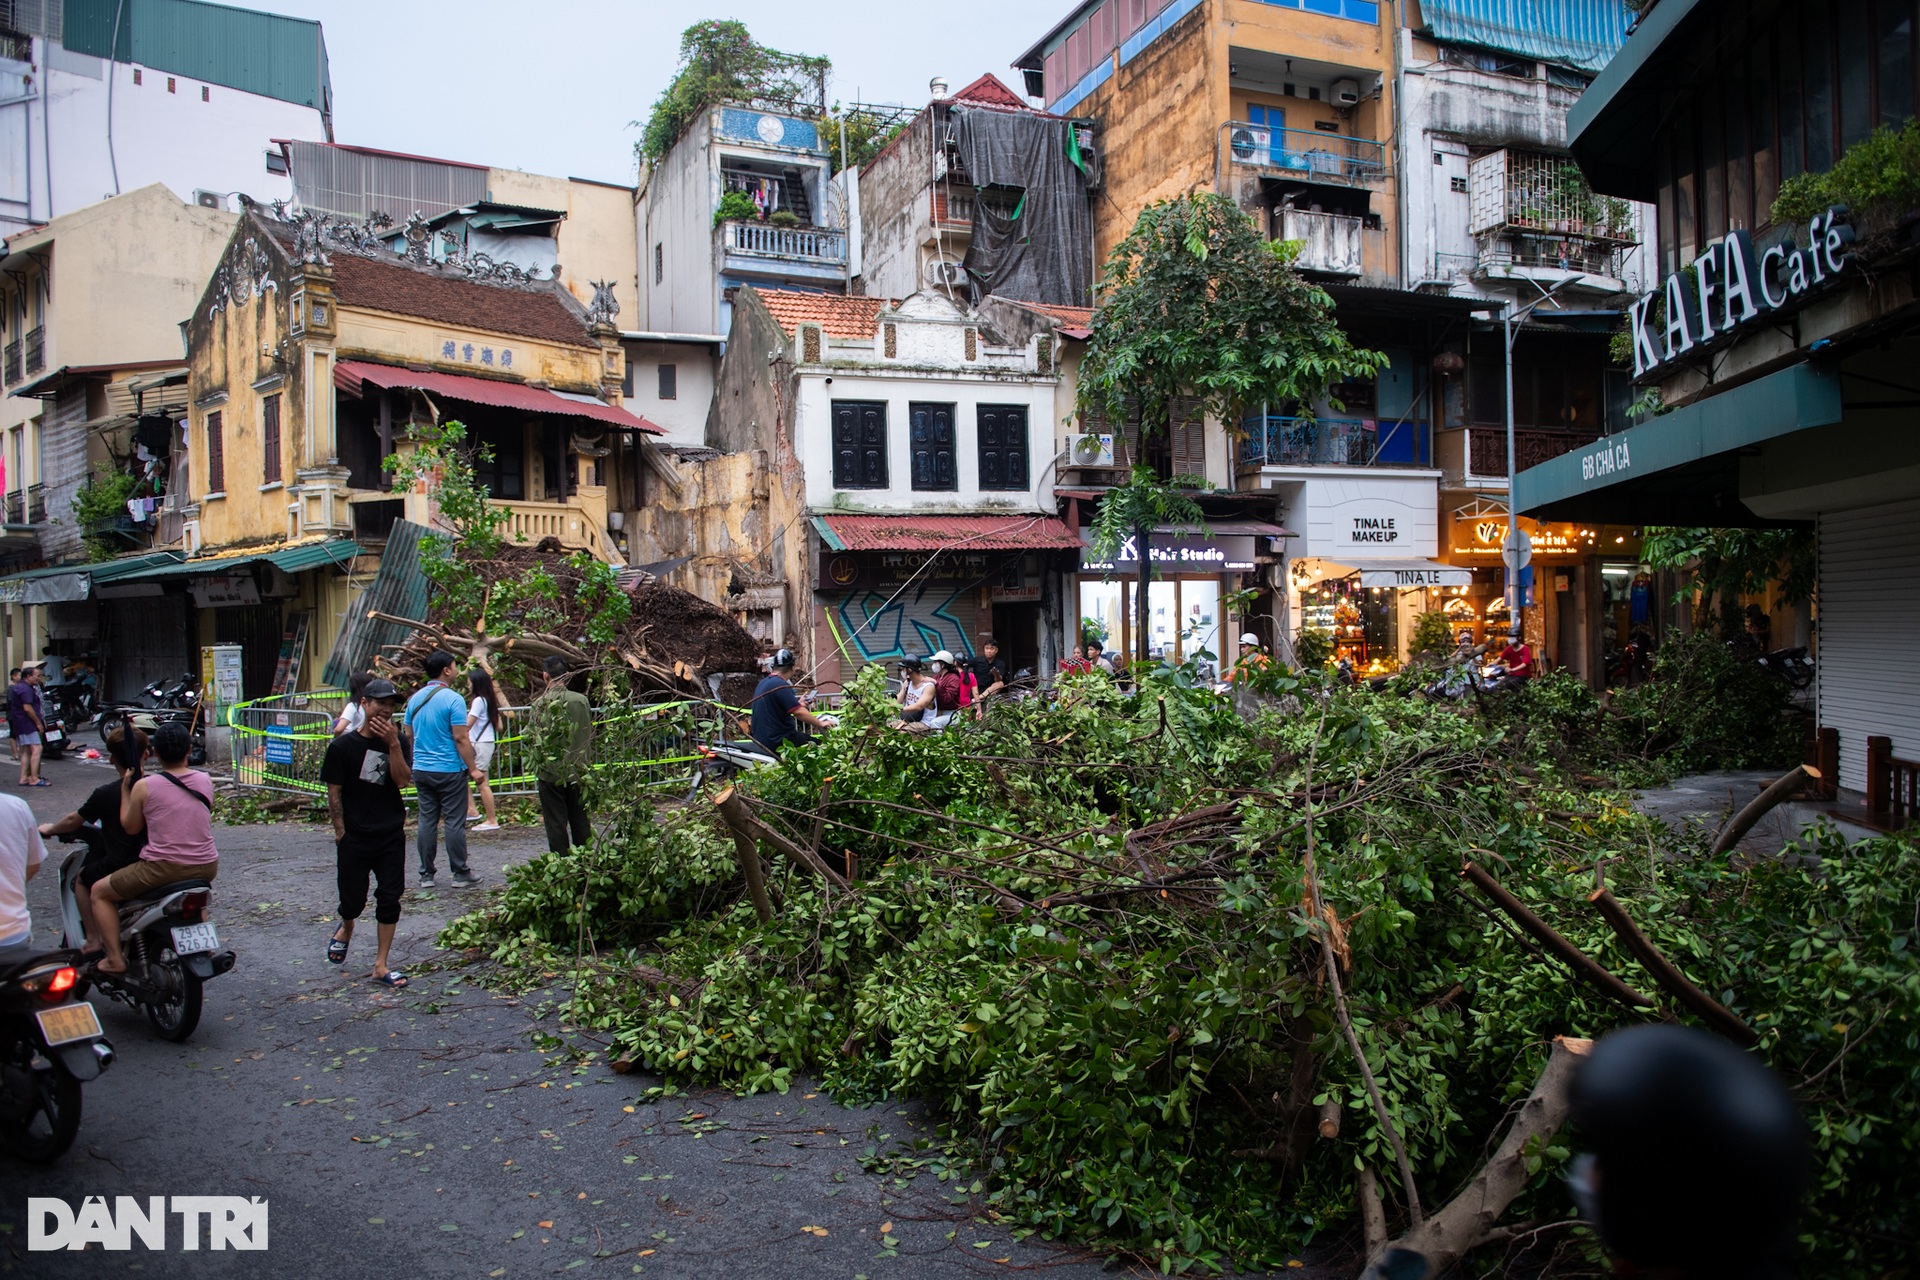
947, 533
989, 90
426, 293
351, 375
1076, 317
838, 315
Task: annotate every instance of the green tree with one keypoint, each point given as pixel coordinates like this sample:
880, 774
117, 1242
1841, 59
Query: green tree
1132, 511
720, 61
470, 526
1196, 304
1728, 563
867, 131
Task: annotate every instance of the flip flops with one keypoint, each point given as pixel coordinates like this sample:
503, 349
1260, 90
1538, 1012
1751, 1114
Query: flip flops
391, 978
337, 948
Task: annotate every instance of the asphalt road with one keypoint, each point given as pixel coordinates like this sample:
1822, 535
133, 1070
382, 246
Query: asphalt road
424, 1133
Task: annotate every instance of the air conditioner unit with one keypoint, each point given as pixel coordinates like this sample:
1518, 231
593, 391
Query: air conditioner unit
1093, 450
1346, 93
210, 199
1250, 144
946, 275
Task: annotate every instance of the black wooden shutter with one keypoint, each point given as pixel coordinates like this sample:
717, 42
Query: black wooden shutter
859, 444
1003, 446
930, 435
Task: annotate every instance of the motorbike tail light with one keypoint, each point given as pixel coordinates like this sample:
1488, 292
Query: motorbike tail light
62, 981
192, 904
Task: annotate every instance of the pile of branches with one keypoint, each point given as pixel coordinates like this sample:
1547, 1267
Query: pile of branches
669, 639
1198, 988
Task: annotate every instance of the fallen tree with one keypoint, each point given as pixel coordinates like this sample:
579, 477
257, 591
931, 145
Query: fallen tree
1086, 934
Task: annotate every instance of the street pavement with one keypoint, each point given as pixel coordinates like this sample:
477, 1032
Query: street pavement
427, 1133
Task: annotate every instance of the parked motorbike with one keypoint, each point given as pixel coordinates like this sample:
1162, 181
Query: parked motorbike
170, 945
161, 702
721, 760
73, 701
54, 739
1790, 665
50, 1044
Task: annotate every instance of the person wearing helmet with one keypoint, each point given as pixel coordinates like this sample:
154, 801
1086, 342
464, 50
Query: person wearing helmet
777, 712
948, 690
1696, 1160
1251, 660
916, 690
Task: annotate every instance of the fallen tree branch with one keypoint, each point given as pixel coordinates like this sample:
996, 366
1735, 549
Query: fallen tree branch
1584, 966
1373, 1215
1780, 790
735, 811
1671, 980
1471, 1216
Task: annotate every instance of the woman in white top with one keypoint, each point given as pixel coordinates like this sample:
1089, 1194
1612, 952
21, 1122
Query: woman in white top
354, 714
483, 727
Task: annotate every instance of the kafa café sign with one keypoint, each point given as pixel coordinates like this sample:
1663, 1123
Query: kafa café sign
1730, 287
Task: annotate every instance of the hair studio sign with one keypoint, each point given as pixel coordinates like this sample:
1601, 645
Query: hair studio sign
1729, 286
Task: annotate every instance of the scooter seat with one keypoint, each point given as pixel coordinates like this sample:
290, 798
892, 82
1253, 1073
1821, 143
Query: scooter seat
17, 960
154, 895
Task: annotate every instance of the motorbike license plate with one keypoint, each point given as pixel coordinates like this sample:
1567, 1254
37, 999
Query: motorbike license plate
68, 1023
191, 939
54, 735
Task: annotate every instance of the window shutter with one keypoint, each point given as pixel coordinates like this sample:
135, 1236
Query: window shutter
216, 455
270, 440
930, 431
1003, 446
1187, 433
859, 444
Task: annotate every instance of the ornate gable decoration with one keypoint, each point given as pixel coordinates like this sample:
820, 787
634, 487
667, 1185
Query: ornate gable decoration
605, 308
246, 271
314, 234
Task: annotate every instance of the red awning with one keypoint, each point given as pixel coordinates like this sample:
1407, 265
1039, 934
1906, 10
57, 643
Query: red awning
352, 375
946, 533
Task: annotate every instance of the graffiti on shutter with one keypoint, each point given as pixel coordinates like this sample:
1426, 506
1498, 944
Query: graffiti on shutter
922, 619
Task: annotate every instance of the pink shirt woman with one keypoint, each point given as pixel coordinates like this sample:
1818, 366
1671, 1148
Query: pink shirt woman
179, 819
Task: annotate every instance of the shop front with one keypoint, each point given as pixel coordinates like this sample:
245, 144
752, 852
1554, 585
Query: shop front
1195, 575
1559, 589
887, 587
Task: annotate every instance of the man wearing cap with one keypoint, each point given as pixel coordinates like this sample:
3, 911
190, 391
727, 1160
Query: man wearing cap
364, 770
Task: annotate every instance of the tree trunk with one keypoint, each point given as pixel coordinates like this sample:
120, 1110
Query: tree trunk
1142, 546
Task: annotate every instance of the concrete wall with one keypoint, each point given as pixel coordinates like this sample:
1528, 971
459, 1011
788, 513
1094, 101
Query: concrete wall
895, 211
674, 220
684, 416
218, 145
597, 241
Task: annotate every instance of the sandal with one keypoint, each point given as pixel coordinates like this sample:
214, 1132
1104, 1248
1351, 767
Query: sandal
337, 948
391, 978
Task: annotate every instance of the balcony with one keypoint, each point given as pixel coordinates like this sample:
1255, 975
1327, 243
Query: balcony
579, 523
36, 504
1334, 442
1487, 449
36, 352
1306, 155
1329, 242
16, 507
12, 362
1533, 191
1551, 259
813, 246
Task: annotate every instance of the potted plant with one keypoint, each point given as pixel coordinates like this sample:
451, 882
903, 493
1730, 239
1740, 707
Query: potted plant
735, 206
784, 218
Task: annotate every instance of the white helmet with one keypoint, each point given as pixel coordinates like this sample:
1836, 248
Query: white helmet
943, 656
1247, 637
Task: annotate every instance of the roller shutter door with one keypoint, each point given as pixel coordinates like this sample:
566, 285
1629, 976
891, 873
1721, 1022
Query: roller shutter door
1869, 632
146, 641
920, 620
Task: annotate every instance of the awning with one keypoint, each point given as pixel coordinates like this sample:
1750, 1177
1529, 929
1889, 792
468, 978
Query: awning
945, 533
61, 583
1572, 33
352, 376
1682, 467
57, 584
298, 558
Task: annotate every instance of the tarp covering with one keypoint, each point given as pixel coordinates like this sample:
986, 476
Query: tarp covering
1584, 34
1032, 232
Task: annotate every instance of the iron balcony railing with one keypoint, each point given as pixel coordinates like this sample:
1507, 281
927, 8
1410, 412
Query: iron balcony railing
36, 504
1487, 448
809, 244
1334, 442
12, 361
16, 507
36, 353
1307, 154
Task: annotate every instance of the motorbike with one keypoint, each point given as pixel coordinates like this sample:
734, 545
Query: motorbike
1791, 665
160, 702
721, 760
171, 948
50, 1045
54, 740
73, 701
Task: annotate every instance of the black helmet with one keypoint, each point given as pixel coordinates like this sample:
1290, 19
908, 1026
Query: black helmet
782, 659
1699, 1158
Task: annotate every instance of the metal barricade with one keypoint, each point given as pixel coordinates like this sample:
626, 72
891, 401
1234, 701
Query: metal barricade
278, 743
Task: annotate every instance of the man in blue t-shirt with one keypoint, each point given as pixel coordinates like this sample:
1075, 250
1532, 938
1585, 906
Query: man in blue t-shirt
442, 763
776, 707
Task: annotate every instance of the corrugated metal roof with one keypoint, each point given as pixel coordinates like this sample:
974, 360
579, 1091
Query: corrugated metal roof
399, 588
297, 558
263, 53
349, 375
945, 533
1572, 33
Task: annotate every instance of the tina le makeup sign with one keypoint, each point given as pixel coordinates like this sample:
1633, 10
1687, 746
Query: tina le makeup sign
1730, 285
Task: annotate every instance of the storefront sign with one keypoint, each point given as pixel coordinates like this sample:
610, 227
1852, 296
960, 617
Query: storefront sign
842, 570
1606, 461
220, 590
1548, 540
1176, 553
1727, 287
1439, 575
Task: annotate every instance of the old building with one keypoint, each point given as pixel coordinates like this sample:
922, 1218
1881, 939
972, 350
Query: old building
879, 483
95, 381
927, 221
784, 228
102, 97
312, 350
1780, 342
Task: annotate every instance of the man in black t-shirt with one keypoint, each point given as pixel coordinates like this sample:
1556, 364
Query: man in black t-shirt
115, 848
776, 707
989, 673
364, 772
